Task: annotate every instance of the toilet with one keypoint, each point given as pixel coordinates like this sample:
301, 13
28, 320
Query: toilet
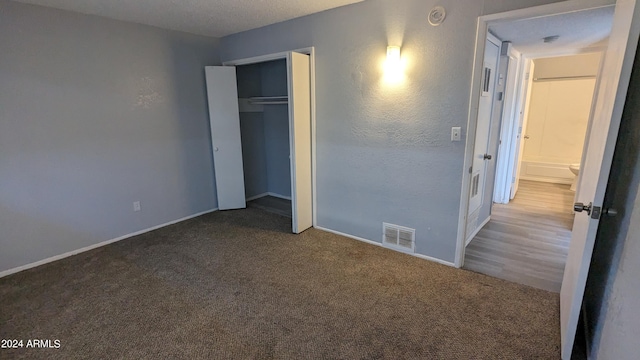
575, 169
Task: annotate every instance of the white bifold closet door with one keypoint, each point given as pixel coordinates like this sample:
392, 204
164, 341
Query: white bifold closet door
299, 83
224, 117
222, 91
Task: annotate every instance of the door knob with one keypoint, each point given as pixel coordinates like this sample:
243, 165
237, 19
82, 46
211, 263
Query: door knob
580, 207
487, 157
610, 212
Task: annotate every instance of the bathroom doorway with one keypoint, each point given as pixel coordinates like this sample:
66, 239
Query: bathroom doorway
544, 94
559, 107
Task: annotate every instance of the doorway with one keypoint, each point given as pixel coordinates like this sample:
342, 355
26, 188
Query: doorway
531, 216
614, 75
534, 131
262, 134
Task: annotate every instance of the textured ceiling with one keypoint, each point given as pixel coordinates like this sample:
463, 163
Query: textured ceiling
205, 17
580, 29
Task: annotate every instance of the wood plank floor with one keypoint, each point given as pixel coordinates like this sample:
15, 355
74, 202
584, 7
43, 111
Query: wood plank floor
527, 240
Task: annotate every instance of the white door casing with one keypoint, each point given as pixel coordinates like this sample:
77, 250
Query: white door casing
226, 146
483, 130
596, 164
299, 83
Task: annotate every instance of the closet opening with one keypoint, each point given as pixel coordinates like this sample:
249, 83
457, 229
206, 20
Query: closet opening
264, 130
261, 135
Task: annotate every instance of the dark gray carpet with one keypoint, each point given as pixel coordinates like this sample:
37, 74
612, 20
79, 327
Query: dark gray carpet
237, 285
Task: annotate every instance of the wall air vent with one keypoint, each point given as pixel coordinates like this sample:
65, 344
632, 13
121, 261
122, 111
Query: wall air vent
486, 80
399, 237
475, 182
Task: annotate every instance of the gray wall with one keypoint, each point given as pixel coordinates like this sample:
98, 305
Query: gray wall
384, 153
276, 122
96, 114
613, 289
265, 135
254, 160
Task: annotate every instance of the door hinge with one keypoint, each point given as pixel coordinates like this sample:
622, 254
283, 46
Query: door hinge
470, 169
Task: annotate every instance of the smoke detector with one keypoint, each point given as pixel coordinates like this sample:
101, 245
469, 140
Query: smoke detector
437, 15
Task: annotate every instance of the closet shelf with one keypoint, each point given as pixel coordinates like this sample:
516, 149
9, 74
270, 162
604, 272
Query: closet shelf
269, 100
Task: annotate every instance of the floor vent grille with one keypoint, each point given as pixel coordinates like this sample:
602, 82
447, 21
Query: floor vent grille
399, 237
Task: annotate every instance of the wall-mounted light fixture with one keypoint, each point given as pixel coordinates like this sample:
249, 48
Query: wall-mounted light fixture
394, 67
393, 55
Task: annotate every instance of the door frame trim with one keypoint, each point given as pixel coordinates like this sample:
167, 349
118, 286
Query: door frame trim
481, 37
312, 64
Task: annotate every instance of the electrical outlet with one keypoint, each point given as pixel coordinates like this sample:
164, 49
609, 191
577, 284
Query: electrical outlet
455, 133
136, 206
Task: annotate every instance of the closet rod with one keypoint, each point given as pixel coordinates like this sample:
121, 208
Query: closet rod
269, 100
559, 78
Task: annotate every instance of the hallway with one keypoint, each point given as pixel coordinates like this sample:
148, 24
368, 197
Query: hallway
527, 240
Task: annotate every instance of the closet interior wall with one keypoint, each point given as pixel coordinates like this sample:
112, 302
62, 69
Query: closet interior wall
265, 130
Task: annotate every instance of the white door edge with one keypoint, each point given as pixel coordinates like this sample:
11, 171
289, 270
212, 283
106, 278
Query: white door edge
602, 137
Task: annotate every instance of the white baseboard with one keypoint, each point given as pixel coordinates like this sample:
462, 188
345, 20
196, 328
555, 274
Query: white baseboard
280, 196
257, 196
95, 246
425, 257
269, 194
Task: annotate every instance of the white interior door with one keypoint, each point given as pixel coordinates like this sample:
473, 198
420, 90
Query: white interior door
224, 117
483, 130
299, 82
504, 161
525, 100
601, 138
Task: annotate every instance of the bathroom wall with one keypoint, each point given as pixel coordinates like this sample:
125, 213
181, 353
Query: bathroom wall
558, 116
